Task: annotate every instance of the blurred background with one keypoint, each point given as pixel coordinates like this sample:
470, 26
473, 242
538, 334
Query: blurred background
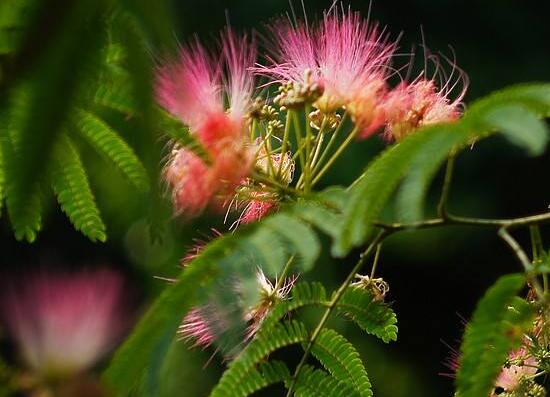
435, 276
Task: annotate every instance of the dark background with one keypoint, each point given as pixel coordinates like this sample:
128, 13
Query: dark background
435, 276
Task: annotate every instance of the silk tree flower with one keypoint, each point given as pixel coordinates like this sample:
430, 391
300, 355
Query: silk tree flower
522, 367
204, 324
421, 102
194, 89
259, 201
64, 323
345, 55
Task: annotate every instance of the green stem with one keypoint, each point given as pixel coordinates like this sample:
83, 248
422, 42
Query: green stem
285, 141
286, 269
298, 133
523, 259
442, 206
335, 156
375, 262
331, 306
330, 143
510, 223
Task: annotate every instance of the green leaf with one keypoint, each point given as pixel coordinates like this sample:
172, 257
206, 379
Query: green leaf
113, 90
423, 168
257, 379
14, 15
25, 213
317, 383
73, 191
163, 317
179, 134
371, 315
420, 155
521, 127
220, 260
265, 343
497, 326
303, 294
109, 144
40, 100
300, 238
340, 358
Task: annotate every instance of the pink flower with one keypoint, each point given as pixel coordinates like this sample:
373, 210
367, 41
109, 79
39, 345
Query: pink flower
260, 201
203, 325
191, 180
422, 102
522, 366
345, 55
65, 322
193, 89
258, 209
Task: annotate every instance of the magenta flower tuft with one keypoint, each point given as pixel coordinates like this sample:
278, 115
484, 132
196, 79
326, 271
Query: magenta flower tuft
422, 102
65, 322
345, 55
194, 89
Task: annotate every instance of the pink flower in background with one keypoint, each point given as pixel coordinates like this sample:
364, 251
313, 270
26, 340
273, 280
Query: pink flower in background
194, 89
64, 323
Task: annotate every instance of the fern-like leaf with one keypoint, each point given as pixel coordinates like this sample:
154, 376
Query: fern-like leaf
342, 361
265, 343
497, 326
221, 258
25, 212
371, 315
303, 294
317, 383
112, 90
109, 144
73, 191
266, 375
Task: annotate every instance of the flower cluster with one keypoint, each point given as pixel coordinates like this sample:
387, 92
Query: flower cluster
268, 143
338, 67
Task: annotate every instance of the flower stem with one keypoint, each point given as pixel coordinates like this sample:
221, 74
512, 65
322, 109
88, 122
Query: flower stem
335, 156
331, 306
523, 259
285, 141
331, 142
442, 206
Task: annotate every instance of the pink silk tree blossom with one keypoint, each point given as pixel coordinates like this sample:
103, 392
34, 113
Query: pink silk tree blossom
194, 89
64, 323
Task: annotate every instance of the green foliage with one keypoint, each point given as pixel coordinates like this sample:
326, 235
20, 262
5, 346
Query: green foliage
71, 186
106, 141
265, 343
317, 383
420, 155
265, 243
520, 126
87, 65
342, 361
371, 315
498, 325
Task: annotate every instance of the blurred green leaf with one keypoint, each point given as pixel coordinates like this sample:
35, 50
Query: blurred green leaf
497, 326
109, 144
521, 127
73, 191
